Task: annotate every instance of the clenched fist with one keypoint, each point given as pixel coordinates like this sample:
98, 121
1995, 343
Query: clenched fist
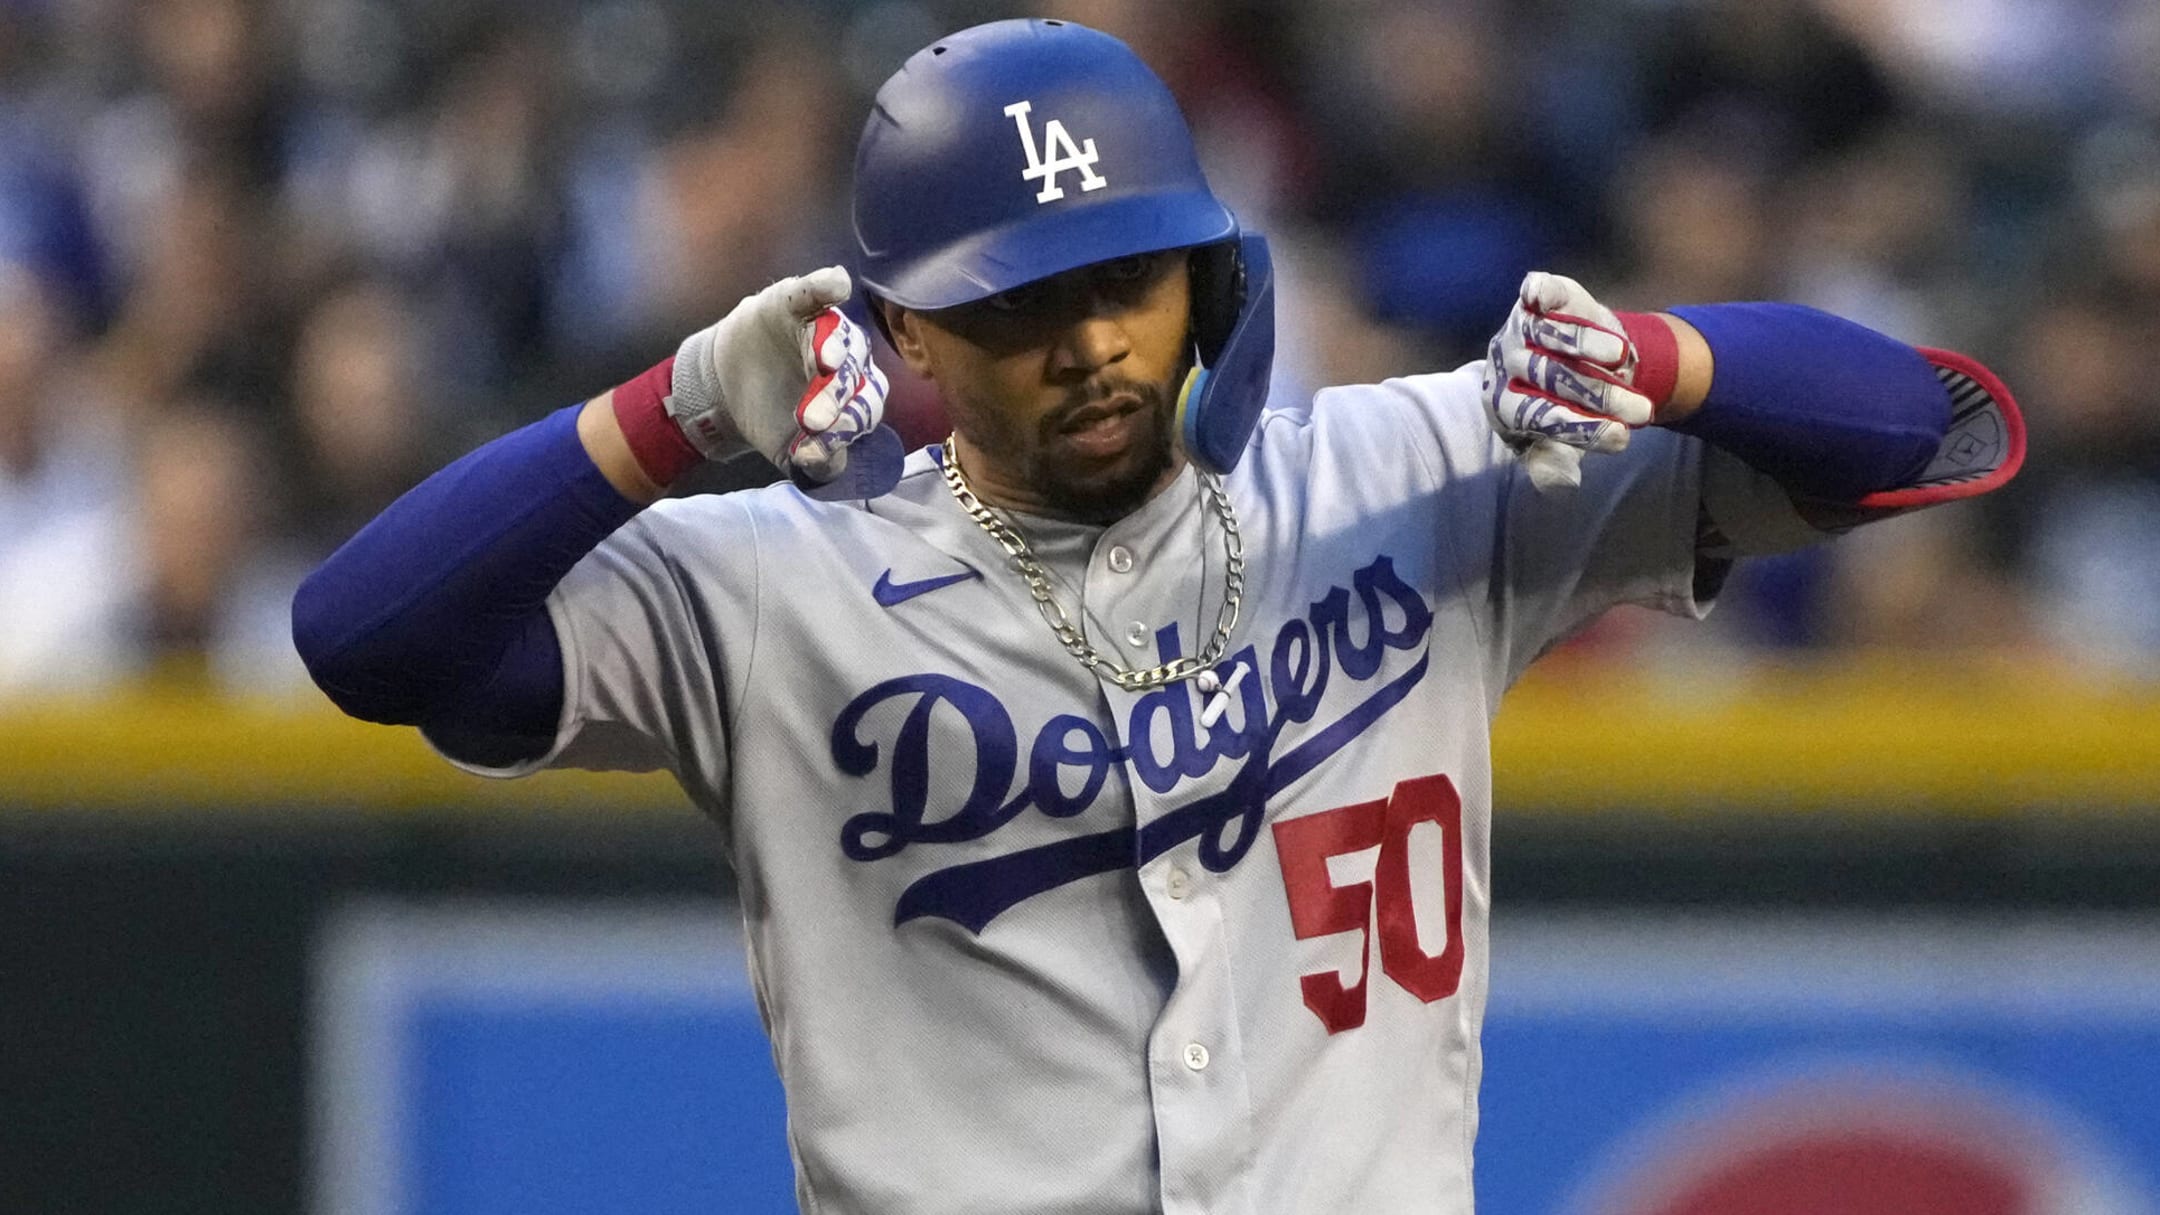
1560, 380
786, 373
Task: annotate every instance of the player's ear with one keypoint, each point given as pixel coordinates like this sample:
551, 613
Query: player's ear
904, 327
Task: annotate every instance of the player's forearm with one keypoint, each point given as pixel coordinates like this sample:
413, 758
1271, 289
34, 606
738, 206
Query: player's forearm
1828, 408
602, 435
1831, 410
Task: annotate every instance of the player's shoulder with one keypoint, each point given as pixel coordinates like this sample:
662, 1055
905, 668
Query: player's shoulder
782, 508
762, 532
1424, 407
1451, 394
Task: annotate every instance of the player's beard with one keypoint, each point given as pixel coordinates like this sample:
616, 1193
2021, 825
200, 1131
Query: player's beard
1069, 489
1098, 496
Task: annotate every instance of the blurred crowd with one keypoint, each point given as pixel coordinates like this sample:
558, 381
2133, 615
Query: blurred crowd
265, 263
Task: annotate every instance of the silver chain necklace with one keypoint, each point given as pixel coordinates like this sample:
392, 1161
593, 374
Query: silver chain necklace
1030, 568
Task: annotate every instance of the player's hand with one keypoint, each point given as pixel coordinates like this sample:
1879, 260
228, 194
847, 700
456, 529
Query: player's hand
1558, 380
786, 373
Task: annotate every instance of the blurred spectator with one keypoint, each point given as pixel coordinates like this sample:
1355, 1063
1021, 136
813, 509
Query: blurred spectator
61, 469
1800, 86
1918, 584
459, 198
206, 92
1877, 233
174, 580
364, 436
210, 597
2002, 57
1694, 222
751, 197
56, 448
2087, 511
2117, 180
201, 310
1445, 194
45, 213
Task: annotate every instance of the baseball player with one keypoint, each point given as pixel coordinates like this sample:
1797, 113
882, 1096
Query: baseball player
1107, 785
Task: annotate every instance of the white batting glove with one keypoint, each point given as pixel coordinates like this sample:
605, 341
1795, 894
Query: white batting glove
1558, 380
784, 372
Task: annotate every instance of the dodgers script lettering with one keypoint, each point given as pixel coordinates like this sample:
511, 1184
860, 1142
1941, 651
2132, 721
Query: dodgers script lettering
1065, 767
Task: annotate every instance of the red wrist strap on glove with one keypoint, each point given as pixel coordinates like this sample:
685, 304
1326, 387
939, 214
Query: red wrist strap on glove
654, 438
1657, 356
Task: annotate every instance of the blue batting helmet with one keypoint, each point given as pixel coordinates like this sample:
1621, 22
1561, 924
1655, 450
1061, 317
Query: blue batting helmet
1017, 150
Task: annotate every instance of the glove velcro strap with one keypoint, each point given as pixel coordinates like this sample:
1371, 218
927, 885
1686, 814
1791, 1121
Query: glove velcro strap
652, 433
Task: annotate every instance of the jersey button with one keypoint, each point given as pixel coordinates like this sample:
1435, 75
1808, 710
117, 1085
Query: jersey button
1179, 884
1136, 636
1121, 559
1196, 1056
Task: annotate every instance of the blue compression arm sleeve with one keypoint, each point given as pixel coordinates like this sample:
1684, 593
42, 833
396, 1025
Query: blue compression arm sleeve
435, 613
1828, 408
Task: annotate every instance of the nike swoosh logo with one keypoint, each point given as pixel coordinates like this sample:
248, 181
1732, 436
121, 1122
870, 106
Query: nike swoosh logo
892, 594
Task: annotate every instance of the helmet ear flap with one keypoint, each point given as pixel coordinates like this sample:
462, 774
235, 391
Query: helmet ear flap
1218, 296
1233, 324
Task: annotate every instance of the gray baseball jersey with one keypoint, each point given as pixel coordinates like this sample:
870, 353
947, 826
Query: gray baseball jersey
1028, 943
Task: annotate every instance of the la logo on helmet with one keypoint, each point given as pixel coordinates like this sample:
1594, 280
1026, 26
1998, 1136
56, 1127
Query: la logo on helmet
1064, 154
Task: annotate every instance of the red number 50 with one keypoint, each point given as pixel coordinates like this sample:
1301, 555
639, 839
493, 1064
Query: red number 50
1318, 907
